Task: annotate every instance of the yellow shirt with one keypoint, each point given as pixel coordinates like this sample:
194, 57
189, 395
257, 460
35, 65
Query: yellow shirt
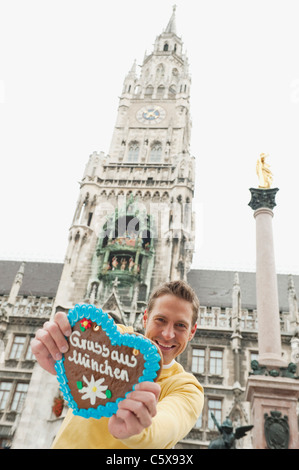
180, 404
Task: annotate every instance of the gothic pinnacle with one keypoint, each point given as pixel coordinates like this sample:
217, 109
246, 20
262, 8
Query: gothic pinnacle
171, 27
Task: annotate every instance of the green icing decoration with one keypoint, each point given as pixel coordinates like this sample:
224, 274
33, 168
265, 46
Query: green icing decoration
108, 394
79, 385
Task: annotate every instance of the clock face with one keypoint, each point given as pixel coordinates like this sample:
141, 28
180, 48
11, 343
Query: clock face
151, 114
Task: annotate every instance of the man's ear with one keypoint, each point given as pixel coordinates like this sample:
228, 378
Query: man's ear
192, 332
145, 318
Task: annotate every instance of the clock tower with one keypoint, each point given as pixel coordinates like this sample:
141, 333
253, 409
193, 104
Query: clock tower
133, 226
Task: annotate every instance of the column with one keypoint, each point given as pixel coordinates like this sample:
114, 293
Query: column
269, 335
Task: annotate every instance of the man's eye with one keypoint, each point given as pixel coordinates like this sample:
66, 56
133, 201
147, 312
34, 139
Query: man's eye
181, 325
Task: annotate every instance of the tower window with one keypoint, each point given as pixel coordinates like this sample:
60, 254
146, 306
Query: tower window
89, 219
165, 48
156, 152
149, 91
160, 72
133, 152
137, 90
160, 91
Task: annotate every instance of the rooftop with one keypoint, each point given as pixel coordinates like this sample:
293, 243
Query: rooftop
40, 279
214, 288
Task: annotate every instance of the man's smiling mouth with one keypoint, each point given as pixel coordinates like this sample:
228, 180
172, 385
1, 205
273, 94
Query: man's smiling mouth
165, 347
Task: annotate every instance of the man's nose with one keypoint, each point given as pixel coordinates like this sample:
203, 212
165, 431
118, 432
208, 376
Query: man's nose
168, 331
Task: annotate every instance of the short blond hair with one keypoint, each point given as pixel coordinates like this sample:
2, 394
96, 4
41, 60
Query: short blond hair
180, 289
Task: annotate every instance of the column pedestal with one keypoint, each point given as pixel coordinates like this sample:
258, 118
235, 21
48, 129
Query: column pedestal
278, 394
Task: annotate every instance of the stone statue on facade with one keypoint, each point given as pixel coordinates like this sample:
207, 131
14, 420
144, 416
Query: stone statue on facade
227, 437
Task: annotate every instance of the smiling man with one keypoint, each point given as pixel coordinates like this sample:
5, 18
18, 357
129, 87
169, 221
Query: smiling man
155, 415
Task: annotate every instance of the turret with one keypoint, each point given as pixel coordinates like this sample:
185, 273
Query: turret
16, 285
130, 82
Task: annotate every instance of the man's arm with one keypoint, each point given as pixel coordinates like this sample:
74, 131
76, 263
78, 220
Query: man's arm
180, 405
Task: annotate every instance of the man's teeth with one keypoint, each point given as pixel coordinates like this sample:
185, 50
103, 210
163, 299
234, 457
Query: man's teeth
164, 345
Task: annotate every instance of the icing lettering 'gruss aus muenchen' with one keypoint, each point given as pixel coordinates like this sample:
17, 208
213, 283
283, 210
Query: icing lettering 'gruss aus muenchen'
133, 228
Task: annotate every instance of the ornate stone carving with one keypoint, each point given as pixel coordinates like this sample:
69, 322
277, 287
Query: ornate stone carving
277, 431
262, 198
289, 371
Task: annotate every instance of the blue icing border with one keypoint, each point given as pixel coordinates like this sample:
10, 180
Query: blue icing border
144, 345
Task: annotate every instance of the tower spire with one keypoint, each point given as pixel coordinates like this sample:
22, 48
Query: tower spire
171, 27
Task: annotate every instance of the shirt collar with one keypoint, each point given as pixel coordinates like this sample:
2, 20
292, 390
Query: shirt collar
167, 366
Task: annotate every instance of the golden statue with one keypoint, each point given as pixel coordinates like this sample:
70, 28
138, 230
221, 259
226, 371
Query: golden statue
263, 172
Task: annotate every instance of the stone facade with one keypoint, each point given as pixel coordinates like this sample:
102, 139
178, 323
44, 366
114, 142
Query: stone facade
26, 302
220, 354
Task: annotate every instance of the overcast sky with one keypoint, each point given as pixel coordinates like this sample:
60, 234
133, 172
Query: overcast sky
62, 66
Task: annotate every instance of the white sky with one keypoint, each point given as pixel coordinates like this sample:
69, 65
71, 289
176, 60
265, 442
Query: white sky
62, 66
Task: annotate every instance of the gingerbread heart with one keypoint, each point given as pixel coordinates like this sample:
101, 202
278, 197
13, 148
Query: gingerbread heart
102, 364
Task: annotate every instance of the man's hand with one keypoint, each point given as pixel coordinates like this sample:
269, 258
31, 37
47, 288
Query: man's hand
49, 342
135, 412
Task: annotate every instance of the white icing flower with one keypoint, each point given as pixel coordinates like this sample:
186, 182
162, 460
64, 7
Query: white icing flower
93, 389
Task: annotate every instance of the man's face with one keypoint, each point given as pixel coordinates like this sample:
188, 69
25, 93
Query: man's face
169, 325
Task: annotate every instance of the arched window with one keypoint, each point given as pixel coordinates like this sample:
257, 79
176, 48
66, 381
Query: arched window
165, 48
149, 90
160, 72
137, 89
156, 152
182, 170
160, 91
133, 152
